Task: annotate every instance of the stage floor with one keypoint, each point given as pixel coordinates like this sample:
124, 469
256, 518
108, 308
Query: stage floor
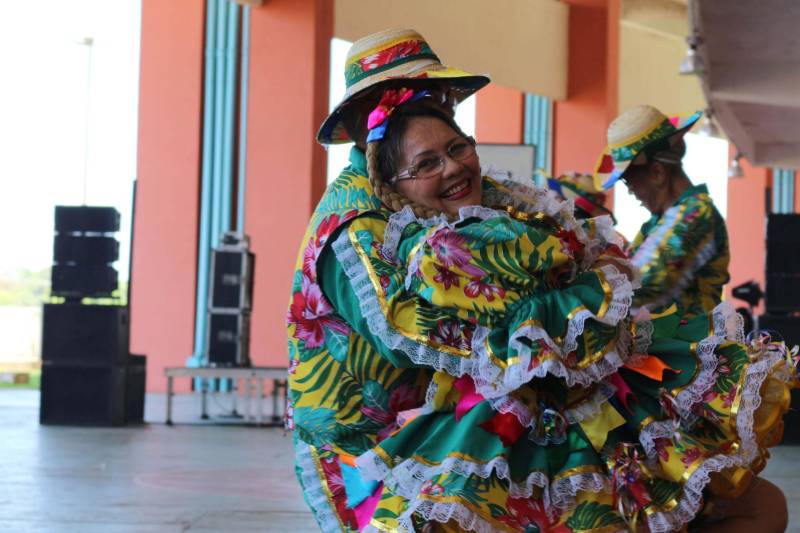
194, 476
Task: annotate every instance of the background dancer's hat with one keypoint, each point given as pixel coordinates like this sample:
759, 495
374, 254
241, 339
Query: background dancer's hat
634, 137
387, 56
581, 190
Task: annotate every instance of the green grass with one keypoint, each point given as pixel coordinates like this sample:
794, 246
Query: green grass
33, 382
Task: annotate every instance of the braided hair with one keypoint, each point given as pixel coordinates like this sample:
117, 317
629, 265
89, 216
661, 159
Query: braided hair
383, 156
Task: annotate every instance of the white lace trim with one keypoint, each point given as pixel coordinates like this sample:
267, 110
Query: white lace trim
728, 326
689, 504
492, 381
418, 353
407, 479
401, 219
644, 337
316, 498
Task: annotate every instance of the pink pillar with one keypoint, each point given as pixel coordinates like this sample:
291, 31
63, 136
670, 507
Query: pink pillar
289, 66
746, 226
580, 121
165, 233
499, 113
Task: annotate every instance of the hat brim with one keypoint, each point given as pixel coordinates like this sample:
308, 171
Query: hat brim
608, 172
462, 83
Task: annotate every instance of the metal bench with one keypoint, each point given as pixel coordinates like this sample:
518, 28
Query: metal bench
253, 387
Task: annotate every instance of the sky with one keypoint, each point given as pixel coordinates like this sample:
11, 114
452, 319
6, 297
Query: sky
45, 147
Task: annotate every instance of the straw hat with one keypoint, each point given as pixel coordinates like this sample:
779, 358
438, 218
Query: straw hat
634, 136
390, 55
580, 188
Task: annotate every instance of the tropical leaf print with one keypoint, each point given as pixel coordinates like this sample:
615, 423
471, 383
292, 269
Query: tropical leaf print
591, 515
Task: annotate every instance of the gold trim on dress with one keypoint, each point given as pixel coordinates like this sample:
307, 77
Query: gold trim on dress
376, 285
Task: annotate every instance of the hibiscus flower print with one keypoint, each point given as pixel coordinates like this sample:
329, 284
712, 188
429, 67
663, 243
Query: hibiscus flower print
727, 399
661, 448
310, 312
448, 333
446, 277
476, 287
451, 250
690, 456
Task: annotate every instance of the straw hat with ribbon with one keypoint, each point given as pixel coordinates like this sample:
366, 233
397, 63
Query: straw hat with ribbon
387, 56
634, 137
581, 190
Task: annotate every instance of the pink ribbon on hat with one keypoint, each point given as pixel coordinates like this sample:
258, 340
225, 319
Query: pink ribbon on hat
391, 100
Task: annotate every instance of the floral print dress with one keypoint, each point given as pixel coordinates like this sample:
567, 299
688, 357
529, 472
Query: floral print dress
483, 374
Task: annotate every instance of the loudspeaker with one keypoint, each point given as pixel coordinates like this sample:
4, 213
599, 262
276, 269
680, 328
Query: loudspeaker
83, 250
84, 218
783, 263
82, 395
77, 281
85, 334
783, 291
134, 389
228, 338
789, 328
232, 279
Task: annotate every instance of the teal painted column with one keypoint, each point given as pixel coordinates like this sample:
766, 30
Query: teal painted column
199, 354
782, 190
538, 131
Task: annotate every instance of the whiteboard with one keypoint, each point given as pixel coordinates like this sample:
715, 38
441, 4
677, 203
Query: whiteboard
517, 160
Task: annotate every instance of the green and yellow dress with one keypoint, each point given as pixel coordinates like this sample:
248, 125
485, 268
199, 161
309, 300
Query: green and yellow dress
483, 375
683, 255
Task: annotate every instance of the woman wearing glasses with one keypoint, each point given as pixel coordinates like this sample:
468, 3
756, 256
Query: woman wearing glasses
462, 359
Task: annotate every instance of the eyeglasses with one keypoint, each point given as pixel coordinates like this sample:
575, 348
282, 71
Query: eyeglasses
429, 165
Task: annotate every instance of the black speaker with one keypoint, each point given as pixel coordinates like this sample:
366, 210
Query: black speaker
789, 328
232, 279
83, 250
783, 292
783, 263
228, 338
84, 334
82, 395
84, 218
77, 281
136, 377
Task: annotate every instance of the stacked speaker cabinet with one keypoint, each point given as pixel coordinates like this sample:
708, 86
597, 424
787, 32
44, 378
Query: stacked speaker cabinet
783, 297
88, 375
230, 302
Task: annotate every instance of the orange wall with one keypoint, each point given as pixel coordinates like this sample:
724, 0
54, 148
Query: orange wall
499, 115
165, 233
289, 64
580, 121
746, 227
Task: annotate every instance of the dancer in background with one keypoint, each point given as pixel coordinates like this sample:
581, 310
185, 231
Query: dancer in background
682, 250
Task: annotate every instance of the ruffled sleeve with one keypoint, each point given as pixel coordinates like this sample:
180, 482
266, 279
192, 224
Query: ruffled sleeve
571, 328
479, 265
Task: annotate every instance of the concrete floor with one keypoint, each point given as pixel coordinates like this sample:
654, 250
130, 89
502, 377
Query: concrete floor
189, 477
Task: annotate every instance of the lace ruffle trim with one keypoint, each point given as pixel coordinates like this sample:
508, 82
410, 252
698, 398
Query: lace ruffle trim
492, 381
747, 452
316, 497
